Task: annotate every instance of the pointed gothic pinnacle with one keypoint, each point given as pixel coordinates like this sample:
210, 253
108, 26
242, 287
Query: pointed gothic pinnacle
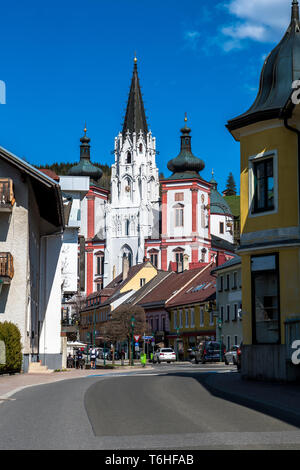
295, 10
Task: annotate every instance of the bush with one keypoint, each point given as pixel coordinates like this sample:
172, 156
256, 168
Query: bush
10, 334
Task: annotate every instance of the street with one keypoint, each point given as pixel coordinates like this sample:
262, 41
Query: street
166, 407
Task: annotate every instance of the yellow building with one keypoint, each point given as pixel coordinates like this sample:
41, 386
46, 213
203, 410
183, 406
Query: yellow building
100, 304
269, 136
191, 314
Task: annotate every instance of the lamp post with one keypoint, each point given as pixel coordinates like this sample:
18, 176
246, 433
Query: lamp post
177, 355
132, 331
220, 336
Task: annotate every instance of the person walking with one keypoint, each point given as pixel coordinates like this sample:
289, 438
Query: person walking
79, 364
93, 358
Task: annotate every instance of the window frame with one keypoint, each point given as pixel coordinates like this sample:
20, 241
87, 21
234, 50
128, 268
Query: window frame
253, 315
254, 159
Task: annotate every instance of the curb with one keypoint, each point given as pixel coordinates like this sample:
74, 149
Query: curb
279, 412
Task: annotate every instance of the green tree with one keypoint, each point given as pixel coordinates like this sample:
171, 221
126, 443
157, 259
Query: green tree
10, 334
230, 186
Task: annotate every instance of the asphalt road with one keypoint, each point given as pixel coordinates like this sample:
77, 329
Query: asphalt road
168, 408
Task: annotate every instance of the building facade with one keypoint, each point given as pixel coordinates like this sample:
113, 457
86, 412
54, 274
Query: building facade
229, 302
32, 220
270, 214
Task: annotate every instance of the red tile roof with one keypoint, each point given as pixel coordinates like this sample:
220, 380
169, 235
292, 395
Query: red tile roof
201, 289
49, 173
173, 286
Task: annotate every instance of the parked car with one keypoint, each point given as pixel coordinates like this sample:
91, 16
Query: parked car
164, 355
209, 351
239, 357
230, 356
100, 354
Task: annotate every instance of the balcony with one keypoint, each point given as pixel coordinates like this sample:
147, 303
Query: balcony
7, 199
6, 267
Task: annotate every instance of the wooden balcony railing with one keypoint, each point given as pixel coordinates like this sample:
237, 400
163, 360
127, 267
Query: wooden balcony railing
7, 199
6, 265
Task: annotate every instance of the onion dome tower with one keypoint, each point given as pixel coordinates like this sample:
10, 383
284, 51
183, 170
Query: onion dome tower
281, 68
85, 166
185, 165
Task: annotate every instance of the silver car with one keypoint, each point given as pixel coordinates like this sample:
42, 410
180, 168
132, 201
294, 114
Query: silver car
230, 356
164, 355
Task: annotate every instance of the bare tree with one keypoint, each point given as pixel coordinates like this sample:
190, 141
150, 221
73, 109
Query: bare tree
118, 327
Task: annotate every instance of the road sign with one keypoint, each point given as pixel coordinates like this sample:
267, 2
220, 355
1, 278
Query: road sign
147, 337
137, 338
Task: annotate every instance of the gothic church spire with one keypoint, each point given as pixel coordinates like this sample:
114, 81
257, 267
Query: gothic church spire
135, 118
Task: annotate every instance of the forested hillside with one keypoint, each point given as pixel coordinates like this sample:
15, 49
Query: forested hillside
63, 168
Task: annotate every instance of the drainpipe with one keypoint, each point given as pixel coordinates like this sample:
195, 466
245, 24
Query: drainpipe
293, 129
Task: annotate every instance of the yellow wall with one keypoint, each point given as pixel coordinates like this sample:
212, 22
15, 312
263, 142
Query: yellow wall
148, 272
197, 326
285, 142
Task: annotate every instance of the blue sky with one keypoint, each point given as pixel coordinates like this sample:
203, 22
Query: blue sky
67, 62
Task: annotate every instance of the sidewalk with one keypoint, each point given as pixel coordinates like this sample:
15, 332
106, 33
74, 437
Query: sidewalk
279, 400
10, 384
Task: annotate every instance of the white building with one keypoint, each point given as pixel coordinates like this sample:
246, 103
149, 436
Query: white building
133, 212
31, 240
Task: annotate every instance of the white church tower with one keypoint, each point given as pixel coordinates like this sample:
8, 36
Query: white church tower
133, 212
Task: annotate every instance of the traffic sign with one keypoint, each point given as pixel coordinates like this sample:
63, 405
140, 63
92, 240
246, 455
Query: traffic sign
147, 337
137, 338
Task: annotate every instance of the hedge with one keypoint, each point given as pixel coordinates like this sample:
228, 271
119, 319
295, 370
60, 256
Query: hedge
10, 334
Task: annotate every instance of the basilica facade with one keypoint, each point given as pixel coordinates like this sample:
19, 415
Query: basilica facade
177, 223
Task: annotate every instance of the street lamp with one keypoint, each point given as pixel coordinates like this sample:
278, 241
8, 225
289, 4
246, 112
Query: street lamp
220, 331
177, 355
132, 331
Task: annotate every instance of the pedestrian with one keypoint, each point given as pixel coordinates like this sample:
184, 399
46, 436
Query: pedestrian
93, 358
70, 361
122, 356
79, 359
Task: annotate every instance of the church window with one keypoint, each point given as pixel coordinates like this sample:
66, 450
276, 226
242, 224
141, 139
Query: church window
128, 157
179, 215
100, 264
141, 148
154, 259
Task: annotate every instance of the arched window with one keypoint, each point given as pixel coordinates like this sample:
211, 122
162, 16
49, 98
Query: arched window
141, 148
126, 251
128, 157
179, 215
127, 187
203, 252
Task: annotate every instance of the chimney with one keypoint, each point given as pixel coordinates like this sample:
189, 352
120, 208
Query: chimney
220, 259
186, 264
125, 267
